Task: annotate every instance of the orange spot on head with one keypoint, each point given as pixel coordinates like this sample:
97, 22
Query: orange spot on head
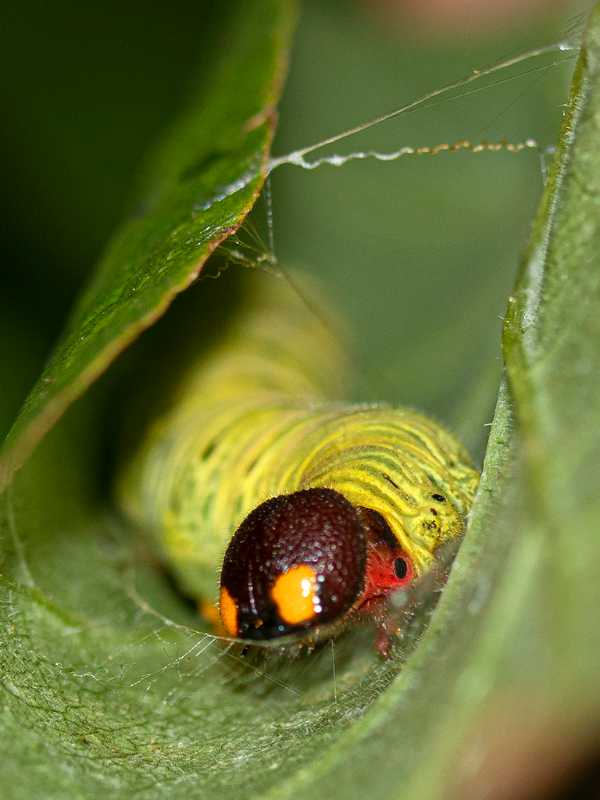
229, 612
210, 612
295, 594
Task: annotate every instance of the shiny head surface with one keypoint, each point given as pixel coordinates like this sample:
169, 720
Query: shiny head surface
305, 560
296, 561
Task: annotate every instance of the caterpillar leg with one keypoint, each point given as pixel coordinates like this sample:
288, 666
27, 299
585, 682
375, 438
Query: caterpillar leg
383, 640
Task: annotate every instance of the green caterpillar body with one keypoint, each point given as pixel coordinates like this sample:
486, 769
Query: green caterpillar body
254, 419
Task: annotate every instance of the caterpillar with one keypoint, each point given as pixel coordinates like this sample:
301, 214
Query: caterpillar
273, 501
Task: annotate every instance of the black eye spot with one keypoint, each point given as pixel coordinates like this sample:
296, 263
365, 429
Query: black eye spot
439, 497
401, 568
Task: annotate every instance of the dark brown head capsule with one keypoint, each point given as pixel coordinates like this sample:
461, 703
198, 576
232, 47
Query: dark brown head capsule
296, 561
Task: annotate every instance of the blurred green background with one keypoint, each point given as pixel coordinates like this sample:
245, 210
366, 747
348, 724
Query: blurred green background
421, 253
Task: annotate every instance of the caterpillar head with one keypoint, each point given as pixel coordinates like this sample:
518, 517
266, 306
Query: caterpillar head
305, 560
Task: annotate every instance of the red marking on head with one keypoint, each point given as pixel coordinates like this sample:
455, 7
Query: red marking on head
387, 570
388, 566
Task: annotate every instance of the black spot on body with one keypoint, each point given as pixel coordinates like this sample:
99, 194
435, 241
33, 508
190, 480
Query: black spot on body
439, 497
389, 480
208, 451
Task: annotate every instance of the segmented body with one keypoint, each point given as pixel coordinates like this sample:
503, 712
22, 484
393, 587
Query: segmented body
257, 417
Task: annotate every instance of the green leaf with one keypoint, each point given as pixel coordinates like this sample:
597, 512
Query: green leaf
197, 190
108, 688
